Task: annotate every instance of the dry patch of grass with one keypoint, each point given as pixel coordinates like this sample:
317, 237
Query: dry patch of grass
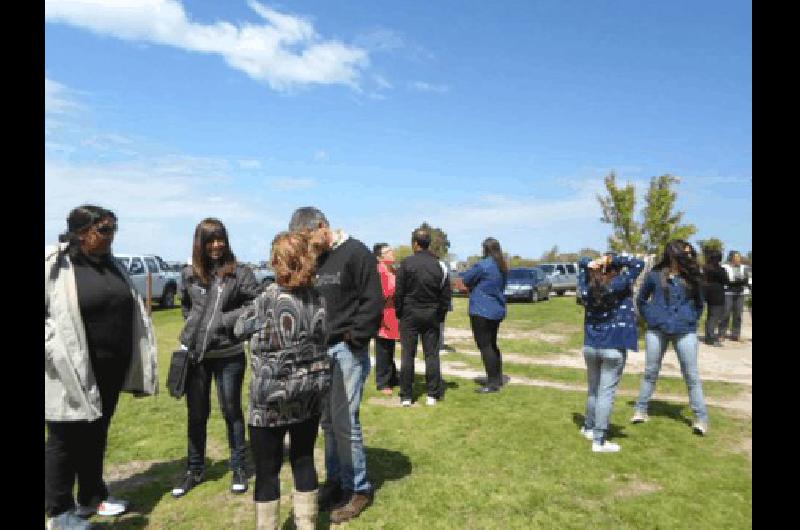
632, 486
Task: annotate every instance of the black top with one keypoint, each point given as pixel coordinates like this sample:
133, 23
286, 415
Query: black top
106, 305
348, 279
714, 288
422, 284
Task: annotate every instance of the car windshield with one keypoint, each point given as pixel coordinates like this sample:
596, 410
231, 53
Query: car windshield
547, 268
519, 274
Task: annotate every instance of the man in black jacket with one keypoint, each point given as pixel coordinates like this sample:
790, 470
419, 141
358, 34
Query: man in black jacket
347, 278
422, 296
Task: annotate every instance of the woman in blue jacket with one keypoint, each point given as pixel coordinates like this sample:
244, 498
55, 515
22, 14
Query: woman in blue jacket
486, 281
671, 301
605, 288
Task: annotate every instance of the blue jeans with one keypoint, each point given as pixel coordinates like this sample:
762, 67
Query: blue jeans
686, 346
229, 375
345, 456
603, 370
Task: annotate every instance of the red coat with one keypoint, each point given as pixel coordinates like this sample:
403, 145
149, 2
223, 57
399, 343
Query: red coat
389, 328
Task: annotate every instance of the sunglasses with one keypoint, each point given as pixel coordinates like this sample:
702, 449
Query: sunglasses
106, 230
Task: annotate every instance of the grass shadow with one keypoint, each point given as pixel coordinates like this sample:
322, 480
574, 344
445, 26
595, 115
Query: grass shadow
667, 410
147, 488
420, 389
481, 380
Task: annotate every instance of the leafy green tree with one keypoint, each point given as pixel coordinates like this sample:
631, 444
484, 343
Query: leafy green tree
712, 242
619, 210
551, 255
401, 252
590, 252
661, 223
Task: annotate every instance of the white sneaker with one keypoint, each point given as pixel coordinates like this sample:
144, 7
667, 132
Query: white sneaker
606, 447
111, 507
406, 402
700, 427
68, 521
639, 417
587, 433
431, 401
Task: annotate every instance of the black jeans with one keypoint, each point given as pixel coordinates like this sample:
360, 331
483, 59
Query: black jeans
485, 333
734, 306
385, 368
229, 374
266, 444
713, 318
416, 323
76, 448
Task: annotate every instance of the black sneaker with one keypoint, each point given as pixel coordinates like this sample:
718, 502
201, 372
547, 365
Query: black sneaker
330, 495
239, 481
190, 480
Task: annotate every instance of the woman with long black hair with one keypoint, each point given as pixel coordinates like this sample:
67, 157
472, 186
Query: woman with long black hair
486, 281
98, 342
215, 287
605, 288
671, 301
715, 280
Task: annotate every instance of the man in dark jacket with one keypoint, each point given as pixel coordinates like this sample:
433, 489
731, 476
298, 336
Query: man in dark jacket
347, 277
422, 297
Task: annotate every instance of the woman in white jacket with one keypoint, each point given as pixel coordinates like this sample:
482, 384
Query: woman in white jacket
99, 341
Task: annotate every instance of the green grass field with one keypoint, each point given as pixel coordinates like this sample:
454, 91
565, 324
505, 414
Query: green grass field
508, 460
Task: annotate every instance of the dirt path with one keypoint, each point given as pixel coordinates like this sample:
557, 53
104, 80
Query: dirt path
732, 363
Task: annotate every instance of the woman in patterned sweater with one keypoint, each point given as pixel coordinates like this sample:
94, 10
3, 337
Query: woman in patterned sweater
288, 331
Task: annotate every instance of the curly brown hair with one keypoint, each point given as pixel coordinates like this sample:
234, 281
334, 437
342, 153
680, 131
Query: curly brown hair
294, 258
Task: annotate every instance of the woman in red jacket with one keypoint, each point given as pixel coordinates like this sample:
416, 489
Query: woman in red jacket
389, 332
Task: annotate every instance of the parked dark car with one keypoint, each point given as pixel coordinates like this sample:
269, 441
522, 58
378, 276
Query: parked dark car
529, 284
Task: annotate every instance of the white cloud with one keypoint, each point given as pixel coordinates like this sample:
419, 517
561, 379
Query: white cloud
422, 86
292, 184
284, 53
382, 82
58, 99
321, 155
250, 164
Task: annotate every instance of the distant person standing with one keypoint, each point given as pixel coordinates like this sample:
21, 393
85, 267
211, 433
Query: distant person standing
422, 296
389, 332
605, 286
446, 270
671, 301
715, 278
735, 292
347, 278
486, 281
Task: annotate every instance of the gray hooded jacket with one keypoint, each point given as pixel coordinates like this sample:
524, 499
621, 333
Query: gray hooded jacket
70, 388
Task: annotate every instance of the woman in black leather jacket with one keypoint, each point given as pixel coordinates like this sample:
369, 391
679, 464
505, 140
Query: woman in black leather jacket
215, 287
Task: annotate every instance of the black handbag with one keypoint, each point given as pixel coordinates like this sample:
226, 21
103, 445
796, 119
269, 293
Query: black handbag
176, 377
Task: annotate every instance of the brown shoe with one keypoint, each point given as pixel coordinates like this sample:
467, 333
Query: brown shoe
357, 504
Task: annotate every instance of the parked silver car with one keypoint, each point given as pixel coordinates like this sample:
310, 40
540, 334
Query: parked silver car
563, 276
166, 283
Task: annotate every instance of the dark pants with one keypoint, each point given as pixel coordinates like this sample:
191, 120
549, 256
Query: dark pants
485, 333
734, 306
77, 448
424, 323
385, 368
713, 318
266, 444
229, 374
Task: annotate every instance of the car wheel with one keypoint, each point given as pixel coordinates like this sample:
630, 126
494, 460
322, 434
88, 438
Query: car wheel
168, 298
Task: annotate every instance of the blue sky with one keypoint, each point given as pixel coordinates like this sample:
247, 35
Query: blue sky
486, 119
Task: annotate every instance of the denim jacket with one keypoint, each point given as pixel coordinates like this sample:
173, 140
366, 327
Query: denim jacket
486, 285
610, 320
676, 317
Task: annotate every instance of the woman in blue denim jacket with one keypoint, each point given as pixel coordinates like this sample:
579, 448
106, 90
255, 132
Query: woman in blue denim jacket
605, 288
486, 281
671, 301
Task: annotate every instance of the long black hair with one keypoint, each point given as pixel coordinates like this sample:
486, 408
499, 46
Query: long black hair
599, 284
491, 248
79, 220
688, 268
713, 258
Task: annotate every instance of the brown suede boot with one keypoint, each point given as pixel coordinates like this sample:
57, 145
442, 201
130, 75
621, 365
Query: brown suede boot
267, 515
352, 508
305, 509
